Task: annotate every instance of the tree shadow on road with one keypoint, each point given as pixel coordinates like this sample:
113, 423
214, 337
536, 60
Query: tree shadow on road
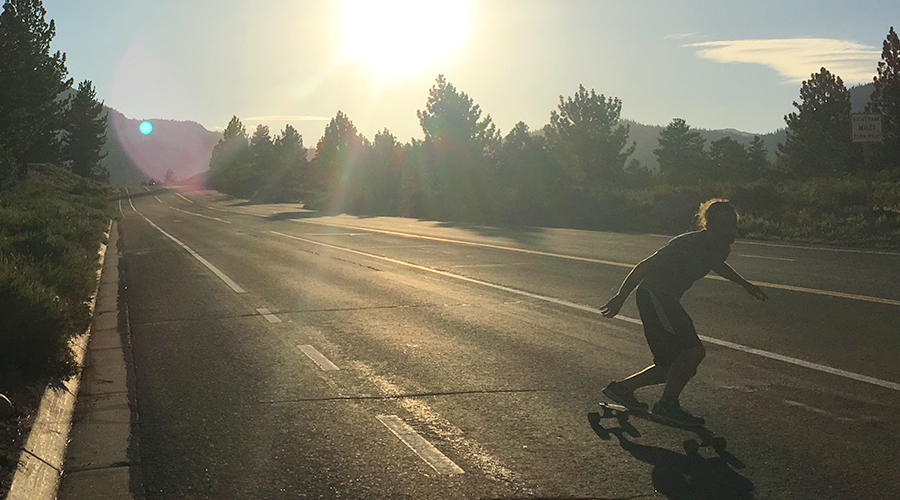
679, 476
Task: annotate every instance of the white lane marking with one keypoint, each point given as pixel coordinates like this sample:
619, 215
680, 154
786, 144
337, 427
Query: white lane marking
337, 234
157, 199
487, 265
469, 243
228, 281
805, 364
470, 450
318, 358
801, 247
864, 298
120, 206
767, 258
200, 215
813, 409
425, 450
724, 343
822, 249
271, 318
182, 197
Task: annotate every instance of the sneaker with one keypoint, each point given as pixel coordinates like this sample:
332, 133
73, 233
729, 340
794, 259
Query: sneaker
677, 415
615, 392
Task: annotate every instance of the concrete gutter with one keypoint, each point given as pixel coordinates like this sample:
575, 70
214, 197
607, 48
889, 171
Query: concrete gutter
43, 459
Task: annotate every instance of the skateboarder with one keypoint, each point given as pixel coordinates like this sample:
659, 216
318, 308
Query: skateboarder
663, 278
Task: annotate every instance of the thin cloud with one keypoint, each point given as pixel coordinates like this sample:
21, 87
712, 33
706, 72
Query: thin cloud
797, 58
287, 118
681, 36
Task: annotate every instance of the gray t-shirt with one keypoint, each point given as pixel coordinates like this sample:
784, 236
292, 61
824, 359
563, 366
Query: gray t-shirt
684, 260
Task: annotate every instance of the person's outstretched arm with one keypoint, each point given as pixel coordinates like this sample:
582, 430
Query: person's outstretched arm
634, 278
727, 272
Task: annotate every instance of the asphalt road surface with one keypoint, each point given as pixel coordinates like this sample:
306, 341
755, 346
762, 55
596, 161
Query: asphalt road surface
281, 354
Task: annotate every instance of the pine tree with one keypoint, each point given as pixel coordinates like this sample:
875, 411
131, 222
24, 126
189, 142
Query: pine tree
460, 151
230, 160
818, 139
727, 160
587, 138
885, 99
680, 153
757, 159
31, 80
86, 133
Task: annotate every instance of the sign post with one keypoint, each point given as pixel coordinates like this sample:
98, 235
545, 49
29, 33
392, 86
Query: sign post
866, 128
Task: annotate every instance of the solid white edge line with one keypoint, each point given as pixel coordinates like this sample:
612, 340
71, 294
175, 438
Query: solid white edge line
723, 343
814, 291
318, 358
228, 281
419, 445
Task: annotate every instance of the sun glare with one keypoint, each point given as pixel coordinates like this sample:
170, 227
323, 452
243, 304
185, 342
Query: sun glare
395, 37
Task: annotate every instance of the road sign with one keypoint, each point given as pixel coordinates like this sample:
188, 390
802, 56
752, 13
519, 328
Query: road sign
866, 127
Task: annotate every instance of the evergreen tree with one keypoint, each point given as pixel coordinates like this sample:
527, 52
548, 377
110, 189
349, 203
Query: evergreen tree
728, 160
460, 151
31, 80
586, 136
757, 159
230, 162
680, 153
818, 134
382, 175
289, 167
530, 179
338, 156
86, 133
885, 99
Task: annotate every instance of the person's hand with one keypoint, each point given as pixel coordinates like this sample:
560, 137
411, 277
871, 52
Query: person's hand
756, 292
613, 306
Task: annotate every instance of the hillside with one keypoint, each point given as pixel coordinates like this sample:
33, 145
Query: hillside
132, 157
647, 138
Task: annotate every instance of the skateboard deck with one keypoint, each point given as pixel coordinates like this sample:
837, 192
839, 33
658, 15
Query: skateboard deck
691, 446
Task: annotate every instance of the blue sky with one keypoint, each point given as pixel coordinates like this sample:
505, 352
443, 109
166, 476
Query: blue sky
719, 64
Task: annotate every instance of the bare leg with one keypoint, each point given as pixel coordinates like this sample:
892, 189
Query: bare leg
681, 372
652, 375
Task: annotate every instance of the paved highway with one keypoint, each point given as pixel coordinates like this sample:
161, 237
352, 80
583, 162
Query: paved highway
280, 354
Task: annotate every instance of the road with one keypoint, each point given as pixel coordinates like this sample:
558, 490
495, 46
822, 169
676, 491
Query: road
282, 354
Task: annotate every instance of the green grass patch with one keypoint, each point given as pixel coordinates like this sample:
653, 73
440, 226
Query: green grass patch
51, 226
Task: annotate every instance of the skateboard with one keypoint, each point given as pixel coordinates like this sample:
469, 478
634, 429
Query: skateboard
691, 446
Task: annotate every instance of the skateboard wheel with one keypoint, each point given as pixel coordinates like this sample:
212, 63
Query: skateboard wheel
719, 443
691, 446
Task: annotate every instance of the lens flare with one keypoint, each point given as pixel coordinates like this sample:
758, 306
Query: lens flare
146, 127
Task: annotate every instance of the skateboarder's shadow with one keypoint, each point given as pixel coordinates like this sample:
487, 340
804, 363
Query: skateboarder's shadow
679, 476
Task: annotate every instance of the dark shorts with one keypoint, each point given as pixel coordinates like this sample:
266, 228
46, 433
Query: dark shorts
667, 326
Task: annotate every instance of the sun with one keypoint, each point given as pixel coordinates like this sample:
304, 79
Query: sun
395, 37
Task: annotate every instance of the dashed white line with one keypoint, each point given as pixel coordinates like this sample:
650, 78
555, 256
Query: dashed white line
724, 343
767, 258
271, 318
157, 199
201, 215
182, 197
318, 358
425, 450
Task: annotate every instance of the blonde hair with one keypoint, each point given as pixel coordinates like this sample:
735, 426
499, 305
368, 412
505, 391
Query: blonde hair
711, 208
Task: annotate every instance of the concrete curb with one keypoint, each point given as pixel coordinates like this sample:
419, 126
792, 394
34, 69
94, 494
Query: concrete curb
41, 461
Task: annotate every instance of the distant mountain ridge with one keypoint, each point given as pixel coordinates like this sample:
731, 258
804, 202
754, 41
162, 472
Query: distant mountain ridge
184, 147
